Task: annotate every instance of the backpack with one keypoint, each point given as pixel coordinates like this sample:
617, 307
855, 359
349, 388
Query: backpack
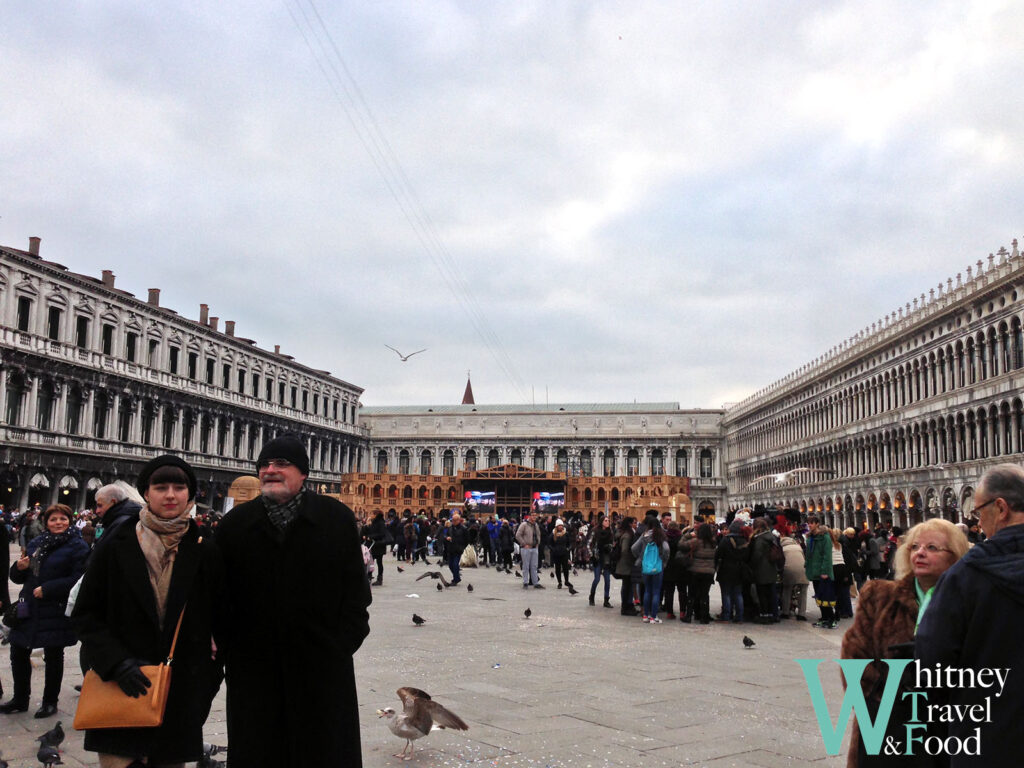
775, 554
651, 562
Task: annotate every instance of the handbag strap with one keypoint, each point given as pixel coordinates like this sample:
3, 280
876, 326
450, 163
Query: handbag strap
174, 642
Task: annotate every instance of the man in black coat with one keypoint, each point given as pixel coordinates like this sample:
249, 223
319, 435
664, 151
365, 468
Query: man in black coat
456, 540
298, 597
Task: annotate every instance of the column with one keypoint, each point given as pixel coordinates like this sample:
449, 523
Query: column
32, 406
88, 398
135, 432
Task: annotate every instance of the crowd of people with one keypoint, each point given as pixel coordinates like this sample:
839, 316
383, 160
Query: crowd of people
122, 577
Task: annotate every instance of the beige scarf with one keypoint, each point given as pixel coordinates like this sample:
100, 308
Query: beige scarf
159, 540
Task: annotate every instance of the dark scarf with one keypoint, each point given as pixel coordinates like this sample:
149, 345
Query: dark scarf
49, 542
281, 515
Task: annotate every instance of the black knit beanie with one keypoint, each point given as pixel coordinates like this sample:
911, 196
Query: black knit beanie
288, 447
166, 460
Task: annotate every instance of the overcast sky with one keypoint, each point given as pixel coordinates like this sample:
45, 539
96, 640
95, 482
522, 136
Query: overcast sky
677, 201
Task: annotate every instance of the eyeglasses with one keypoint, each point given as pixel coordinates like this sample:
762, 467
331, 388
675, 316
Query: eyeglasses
931, 549
982, 506
276, 464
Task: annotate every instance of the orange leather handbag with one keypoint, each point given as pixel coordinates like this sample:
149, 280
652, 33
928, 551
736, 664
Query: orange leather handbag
105, 705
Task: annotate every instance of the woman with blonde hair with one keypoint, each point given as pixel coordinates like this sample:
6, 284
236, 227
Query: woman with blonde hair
888, 613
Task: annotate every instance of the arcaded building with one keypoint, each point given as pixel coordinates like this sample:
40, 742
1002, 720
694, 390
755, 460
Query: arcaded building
94, 382
899, 421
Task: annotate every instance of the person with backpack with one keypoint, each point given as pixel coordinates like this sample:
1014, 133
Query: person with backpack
765, 559
732, 561
651, 551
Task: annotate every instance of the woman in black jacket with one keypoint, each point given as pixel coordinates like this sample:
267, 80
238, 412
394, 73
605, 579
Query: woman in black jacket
602, 548
623, 568
378, 534
138, 585
52, 563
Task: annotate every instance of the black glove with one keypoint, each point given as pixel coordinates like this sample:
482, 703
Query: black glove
130, 678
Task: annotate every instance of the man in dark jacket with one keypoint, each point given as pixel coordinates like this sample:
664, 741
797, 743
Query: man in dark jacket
456, 538
975, 622
115, 509
298, 597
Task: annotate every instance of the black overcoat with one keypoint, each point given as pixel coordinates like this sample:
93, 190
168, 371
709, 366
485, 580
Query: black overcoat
298, 611
116, 619
46, 625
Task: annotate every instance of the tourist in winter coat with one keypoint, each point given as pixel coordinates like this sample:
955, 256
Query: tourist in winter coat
702, 573
378, 533
623, 569
794, 580
654, 535
676, 571
52, 563
818, 568
765, 572
870, 555
560, 553
601, 547
732, 561
888, 613
141, 581
506, 545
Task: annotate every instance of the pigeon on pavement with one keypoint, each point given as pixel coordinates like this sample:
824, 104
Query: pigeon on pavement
49, 756
53, 737
419, 621
527, 613
469, 587
747, 642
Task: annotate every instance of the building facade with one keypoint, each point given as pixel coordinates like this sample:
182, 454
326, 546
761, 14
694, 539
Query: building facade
899, 421
610, 456
94, 382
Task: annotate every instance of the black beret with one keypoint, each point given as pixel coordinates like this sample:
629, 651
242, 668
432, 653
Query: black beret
167, 460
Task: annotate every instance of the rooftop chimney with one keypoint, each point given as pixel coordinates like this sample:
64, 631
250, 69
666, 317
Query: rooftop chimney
154, 297
229, 327
277, 349
213, 322
204, 314
108, 278
33, 246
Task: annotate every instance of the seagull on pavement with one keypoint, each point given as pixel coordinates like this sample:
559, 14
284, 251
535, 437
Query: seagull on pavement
420, 715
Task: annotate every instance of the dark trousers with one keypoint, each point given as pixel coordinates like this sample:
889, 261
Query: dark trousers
562, 568
600, 570
21, 670
768, 601
626, 595
700, 598
453, 566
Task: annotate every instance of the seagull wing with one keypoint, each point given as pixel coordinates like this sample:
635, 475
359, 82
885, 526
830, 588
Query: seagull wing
393, 350
414, 703
441, 577
414, 353
423, 576
444, 718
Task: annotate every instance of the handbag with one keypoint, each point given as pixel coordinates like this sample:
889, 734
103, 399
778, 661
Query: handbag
102, 704
15, 613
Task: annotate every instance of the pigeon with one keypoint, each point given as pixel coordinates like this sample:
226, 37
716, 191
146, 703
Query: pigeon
518, 574
527, 613
433, 575
552, 574
440, 588
53, 737
747, 642
49, 756
209, 750
575, 572
469, 587
401, 569
420, 715
419, 621
572, 591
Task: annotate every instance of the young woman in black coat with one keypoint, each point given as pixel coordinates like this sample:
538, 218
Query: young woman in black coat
52, 563
137, 586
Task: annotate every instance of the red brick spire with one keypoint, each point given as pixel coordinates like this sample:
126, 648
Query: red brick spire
467, 397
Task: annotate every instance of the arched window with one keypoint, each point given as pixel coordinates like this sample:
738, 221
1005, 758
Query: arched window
15, 394
382, 462
45, 406
681, 468
633, 462
539, 461
609, 463
705, 463
426, 462
436, 493
403, 462
615, 494
407, 492
586, 463
378, 491
470, 463
657, 462
517, 457
448, 463
562, 460
492, 458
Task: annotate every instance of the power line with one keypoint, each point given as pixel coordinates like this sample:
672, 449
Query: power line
347, 93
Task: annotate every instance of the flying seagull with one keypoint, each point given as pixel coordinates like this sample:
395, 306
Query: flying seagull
433, 575
420, 715
404, 357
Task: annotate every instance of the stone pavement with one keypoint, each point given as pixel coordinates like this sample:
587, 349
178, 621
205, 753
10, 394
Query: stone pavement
574, 685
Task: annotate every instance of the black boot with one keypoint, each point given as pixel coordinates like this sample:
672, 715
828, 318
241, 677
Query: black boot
592, 596
607, 603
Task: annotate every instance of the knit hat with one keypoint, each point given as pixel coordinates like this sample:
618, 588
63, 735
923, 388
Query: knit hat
736, 526
166, 460
288, 447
